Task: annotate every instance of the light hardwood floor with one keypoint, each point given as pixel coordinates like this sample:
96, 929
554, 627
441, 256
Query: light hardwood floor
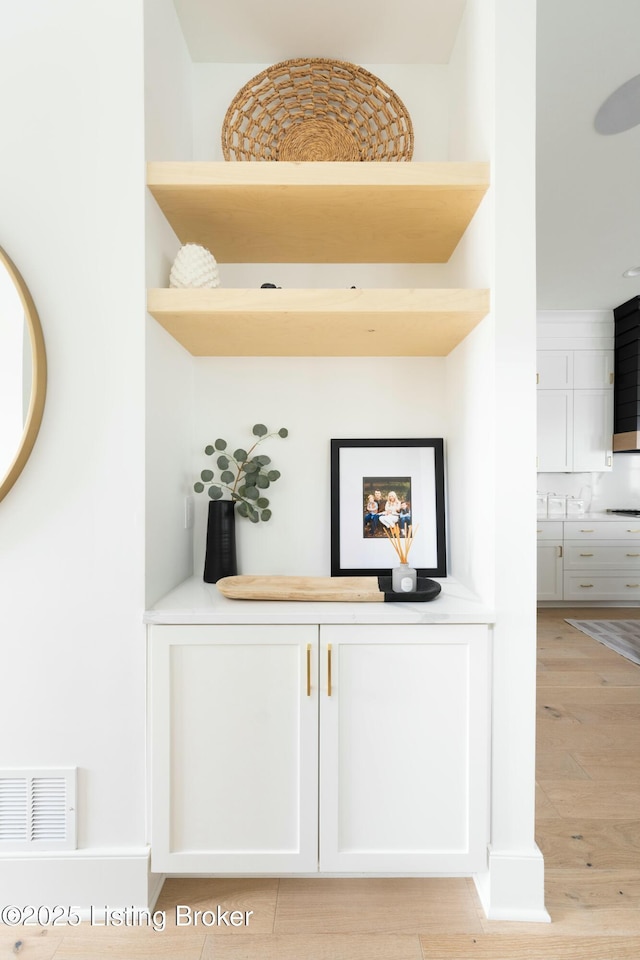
588, 827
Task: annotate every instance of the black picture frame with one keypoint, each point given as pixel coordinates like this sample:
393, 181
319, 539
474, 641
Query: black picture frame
414, 465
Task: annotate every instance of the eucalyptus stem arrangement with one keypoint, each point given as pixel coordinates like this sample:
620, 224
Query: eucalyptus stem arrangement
243, 473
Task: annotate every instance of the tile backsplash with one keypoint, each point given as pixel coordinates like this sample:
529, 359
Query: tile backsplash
618, 488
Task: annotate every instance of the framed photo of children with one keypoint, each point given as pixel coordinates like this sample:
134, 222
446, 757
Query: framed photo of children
387, 485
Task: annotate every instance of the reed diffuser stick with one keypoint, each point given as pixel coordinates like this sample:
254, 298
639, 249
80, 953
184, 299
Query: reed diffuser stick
402, 546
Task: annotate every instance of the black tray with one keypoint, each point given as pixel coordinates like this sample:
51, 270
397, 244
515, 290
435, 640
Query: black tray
427, 590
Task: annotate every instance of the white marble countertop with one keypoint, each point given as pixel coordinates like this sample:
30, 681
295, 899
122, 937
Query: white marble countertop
594, 516
195, 601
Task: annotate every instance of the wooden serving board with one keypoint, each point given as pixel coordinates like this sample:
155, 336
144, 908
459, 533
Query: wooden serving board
350, 589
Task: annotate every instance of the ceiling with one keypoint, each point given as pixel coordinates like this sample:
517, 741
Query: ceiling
588, 184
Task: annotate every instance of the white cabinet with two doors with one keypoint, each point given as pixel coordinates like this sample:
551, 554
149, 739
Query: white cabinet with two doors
575, 410
305, 748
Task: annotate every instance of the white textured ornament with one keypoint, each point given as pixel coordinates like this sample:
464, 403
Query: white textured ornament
194, 266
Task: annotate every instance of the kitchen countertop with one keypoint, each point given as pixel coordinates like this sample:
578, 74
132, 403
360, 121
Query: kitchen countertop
595, 516
197, 602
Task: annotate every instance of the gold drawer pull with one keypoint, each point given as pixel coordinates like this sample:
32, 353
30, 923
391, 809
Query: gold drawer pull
308, 669
633, 584
633, 531
586, 554
591, 531
328, 669
560, 553
633, 554
586, 584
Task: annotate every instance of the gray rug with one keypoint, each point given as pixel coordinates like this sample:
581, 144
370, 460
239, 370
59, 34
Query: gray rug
623, 636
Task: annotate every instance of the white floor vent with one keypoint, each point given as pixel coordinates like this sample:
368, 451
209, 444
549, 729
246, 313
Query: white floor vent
38, 809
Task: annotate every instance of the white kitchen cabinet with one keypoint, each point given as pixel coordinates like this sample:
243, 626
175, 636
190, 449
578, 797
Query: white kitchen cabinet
589, 559
603, 560
592, 369
399, 714
555, 369
404, 748
550, 560
234, 749
575, 411
574, 369
586, 530
613, 587
592, 430
602, 555
555, 430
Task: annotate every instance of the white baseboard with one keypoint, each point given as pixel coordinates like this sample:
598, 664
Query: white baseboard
82, 879
156, 882
85, 880
513, 887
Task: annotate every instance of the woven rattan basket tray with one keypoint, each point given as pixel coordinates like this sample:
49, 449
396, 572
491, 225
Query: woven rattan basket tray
316, 109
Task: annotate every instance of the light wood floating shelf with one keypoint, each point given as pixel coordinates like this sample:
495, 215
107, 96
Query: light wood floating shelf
336, 323
320, 212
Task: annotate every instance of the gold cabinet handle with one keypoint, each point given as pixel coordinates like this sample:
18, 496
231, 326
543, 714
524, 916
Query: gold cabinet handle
586, 584
591, 531
586, 554
633, 554
633, 531
308, 669
633, 584
560, 551
328, 669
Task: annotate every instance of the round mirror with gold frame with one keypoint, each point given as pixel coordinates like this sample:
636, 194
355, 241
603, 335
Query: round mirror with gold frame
23, 373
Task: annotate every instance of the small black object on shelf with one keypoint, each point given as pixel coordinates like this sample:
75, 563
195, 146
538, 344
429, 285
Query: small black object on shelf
427, 590
269, 286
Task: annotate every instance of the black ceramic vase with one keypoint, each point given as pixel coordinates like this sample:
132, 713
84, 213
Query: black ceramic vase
220, 555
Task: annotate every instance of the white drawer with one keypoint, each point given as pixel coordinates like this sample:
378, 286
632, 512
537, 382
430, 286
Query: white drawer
618, 586
602, 529
550, 530
602, 556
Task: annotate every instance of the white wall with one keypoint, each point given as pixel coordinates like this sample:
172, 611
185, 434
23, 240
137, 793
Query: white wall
470, 396
169, 378
471, 367
493, 117
71, 529
514, 308
317, 399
